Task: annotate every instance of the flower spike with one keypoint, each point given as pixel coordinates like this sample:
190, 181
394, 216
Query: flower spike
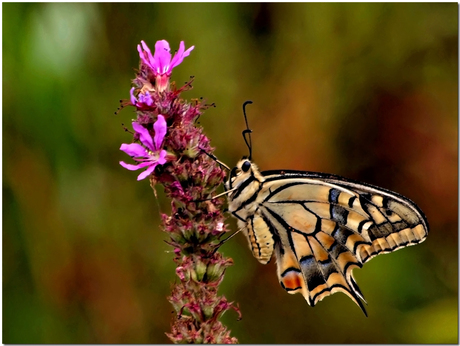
166, 133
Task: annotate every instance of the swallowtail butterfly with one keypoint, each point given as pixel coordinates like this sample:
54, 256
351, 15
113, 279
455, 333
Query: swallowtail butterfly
319, 226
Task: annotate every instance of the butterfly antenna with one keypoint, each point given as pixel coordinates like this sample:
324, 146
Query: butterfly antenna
247, 131
217, 161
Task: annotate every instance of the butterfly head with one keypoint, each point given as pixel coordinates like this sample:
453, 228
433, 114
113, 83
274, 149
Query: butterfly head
243, 171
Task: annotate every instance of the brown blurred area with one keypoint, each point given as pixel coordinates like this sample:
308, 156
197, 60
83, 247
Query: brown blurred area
366, 91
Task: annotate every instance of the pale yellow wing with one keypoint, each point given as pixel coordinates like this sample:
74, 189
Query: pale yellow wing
324, 227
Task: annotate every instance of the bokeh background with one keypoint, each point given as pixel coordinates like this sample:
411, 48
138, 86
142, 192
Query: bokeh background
366, 91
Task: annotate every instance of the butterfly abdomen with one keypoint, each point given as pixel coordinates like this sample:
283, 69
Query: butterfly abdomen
261, 240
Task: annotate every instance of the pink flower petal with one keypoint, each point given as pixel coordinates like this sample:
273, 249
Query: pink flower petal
147, 172
133, 149
160, 131
187, 52
162, 157
134, 167
144, 135
180, 55
147, 49
149, 60
142, 55
175, 60
132, 97
162, 56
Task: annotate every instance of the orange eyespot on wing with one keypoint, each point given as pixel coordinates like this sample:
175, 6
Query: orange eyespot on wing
292, 280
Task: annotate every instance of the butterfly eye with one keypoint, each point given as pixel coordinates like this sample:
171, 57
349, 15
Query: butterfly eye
246, 165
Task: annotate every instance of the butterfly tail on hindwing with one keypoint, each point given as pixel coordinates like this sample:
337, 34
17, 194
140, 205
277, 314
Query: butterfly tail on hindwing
320, 271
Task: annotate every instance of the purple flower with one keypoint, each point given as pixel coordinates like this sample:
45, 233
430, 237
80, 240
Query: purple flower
161, 62
144, 98
150, 155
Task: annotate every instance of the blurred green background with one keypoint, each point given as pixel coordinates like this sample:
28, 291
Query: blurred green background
366, 91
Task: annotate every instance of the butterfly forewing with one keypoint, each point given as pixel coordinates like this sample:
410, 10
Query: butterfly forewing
321, 227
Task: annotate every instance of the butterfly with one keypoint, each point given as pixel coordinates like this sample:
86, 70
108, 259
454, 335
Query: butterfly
319, 226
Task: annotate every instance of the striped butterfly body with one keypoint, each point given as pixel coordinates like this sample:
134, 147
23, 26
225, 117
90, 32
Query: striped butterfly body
319, 226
